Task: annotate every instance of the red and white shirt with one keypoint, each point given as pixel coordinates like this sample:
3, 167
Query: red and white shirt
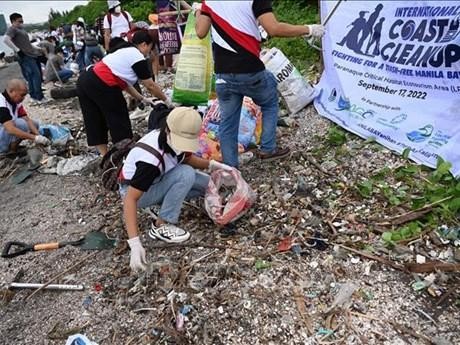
235, 34
10, 110
123, 67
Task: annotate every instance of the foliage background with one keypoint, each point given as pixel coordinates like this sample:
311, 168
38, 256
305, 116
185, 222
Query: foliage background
290, 11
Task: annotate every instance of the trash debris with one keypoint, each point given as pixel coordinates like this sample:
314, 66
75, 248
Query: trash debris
285, 244
182, 317
249, 132
87, 302
79, 339
59, 135
224, 210
343, 297
324, 331
262, 264
75, 164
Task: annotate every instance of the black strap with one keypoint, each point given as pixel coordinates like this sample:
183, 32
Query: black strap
153, 152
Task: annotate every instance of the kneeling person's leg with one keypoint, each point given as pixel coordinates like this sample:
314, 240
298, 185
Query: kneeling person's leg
170, 190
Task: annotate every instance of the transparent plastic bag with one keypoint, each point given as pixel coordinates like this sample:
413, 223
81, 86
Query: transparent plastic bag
226, 209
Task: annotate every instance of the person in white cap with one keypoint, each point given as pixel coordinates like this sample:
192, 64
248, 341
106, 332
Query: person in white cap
161, 171
117, 22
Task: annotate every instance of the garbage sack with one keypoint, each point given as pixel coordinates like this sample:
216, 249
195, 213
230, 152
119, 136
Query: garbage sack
192, 84
295, 91
59, 135
75, 164
79, 339
228, 196
250, 129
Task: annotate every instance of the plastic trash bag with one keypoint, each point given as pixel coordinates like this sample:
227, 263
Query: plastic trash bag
295, 91
68, 166
192, 84
250, 129
224, 209
59, 135
79, 339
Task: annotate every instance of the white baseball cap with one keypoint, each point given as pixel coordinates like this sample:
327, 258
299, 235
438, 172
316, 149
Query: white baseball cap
113, 3
184, 126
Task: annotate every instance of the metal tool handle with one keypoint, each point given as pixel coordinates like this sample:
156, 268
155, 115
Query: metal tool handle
49, 287
10, 251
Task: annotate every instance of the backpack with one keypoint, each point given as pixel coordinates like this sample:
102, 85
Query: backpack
113, 160
109, 18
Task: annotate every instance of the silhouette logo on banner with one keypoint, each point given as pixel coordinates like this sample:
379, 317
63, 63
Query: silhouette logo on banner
365, 33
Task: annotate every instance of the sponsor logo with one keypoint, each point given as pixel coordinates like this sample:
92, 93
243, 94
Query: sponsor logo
354, 110
420, 135
332, 96
393, 122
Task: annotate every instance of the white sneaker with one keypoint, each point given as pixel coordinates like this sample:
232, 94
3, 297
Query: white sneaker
169, 233
152, 211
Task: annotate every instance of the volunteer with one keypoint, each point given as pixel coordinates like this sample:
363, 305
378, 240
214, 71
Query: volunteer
162, 172
117, 22
100, 94
15, 124
239, 70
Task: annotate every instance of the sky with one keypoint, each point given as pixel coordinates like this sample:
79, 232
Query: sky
36, 11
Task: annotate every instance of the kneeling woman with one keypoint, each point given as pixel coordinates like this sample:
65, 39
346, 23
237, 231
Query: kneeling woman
100, 93
160, 170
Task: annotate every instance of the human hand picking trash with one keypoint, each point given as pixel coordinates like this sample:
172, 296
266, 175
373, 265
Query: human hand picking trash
163, 171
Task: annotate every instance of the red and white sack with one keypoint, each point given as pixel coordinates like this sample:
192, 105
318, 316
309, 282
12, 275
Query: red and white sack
238, 203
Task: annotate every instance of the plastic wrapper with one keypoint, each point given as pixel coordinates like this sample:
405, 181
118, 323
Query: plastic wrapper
224, 209
59, 135
250, 129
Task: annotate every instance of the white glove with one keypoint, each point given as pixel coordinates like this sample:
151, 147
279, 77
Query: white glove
315, 30
196, 6
148, 101
41, 140
168, 103
215, 165
137, 261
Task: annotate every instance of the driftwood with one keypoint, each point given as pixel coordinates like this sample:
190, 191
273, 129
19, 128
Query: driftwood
412, 215
433, 266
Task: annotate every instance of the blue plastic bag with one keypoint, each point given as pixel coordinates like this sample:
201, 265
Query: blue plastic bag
59, 135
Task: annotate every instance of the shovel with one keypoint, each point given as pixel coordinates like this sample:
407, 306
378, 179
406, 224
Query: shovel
92, 241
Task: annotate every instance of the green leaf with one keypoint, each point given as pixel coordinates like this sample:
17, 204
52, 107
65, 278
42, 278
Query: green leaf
336, 136
386, 236
365, 188
405, 153
394, 200
454, 205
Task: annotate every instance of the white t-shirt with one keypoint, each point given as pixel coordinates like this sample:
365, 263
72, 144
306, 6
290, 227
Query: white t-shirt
138, 154
121, 62
119, 24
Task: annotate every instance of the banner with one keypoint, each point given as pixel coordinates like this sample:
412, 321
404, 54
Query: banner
392, 72
168, 32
